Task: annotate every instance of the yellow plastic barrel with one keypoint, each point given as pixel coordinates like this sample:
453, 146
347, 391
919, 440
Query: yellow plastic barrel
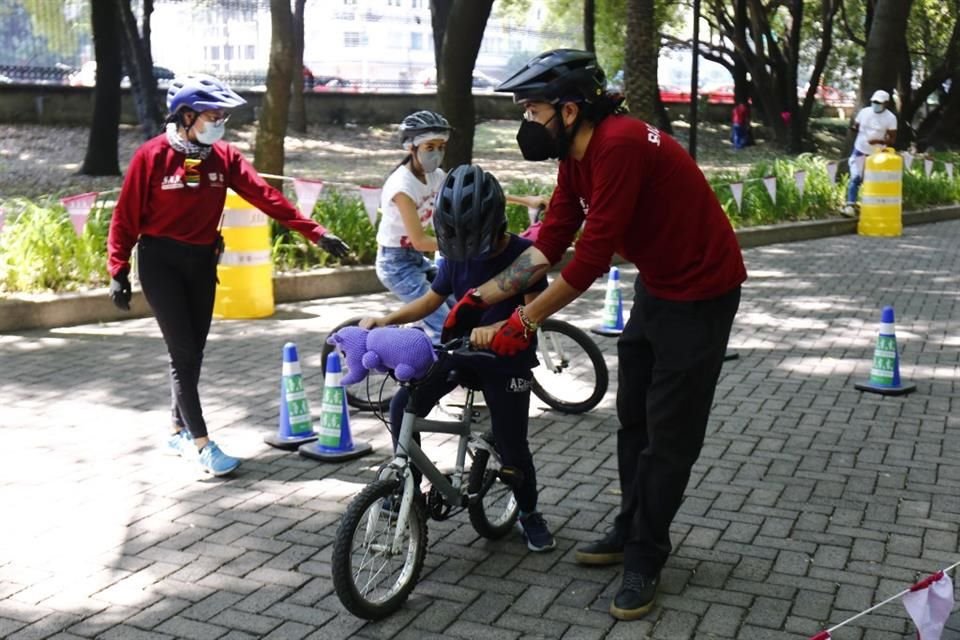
246, 269
881, 206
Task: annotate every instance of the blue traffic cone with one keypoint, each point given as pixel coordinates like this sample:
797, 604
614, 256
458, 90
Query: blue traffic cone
885, 372
334, 443
612, 307
295, 427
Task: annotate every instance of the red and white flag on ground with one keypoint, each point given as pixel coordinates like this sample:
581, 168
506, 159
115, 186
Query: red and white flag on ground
929, 603
371, 202
770, 182
832, 172
308, 192
800, 178
737, 189
79, 208
928, 166
823, 635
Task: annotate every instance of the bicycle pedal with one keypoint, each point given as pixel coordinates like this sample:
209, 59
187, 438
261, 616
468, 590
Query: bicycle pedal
511, 476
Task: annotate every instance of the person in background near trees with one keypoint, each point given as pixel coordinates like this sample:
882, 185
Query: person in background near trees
171, 206
406, 204
876, 128
741, 125
640, 195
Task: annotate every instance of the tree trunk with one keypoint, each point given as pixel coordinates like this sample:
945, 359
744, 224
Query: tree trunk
886, 41
102, 155
140, 71
439, 16
268, 156
589, 25
792, 60
298, 109
828, 14
640, 59
461, 43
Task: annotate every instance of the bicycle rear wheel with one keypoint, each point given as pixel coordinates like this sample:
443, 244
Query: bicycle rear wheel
572, 376
374, 392
372, 579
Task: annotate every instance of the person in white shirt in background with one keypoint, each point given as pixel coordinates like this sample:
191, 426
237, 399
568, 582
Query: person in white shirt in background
876, 128
406, 204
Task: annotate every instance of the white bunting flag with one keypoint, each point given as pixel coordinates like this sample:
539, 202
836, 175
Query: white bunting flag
949, 166
308, 192
927, 166
800, 177
79, 209
929, 603
907, 159
832, 172
371, 202
737, 189
770, 182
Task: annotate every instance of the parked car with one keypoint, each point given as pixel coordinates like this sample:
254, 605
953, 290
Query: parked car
719, 94
86, 76
325, 84
670, 94
427, 80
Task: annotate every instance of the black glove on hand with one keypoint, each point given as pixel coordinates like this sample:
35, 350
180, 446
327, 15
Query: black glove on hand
120, 291
333, 245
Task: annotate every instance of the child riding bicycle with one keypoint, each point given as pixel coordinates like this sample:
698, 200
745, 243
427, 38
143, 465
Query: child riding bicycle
470, 226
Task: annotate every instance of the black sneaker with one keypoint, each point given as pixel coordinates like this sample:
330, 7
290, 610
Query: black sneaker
635, 597
607, 550
536, 533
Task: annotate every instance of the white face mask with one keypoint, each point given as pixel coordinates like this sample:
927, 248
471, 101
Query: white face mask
211, 132
878, 108
430, 160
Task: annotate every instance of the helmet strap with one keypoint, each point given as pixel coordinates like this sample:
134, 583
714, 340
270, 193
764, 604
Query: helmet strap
565, 139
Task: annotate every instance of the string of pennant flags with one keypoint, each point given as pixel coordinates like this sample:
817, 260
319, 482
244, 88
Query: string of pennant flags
308, 191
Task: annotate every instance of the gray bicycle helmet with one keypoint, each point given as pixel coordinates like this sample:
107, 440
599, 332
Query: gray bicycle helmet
561, 75
422, 122
201, 92
469, 214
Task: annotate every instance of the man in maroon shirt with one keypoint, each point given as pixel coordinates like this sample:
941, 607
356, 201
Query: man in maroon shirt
170, 207
635, 192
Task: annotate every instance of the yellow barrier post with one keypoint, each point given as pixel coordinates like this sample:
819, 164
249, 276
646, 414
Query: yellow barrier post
246, 269
881, 208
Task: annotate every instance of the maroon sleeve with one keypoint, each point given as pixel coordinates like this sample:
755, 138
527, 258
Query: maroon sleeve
619, 173
564, 217
131, 203
245, 180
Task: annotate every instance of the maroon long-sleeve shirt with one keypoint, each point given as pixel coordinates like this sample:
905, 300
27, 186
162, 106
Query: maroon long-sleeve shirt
156, 201
644, 197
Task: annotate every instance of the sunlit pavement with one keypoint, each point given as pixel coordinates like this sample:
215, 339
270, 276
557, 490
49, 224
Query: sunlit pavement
810, 502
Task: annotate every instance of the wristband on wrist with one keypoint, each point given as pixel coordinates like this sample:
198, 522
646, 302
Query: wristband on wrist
528, 325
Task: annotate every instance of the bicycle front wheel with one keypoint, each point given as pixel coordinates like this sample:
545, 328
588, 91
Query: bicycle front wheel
373, 573
572, 376
374, 392
494, 510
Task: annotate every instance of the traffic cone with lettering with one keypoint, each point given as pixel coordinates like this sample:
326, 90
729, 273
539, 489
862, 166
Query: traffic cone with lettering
612, 307
334, 443
295, 426
885, 372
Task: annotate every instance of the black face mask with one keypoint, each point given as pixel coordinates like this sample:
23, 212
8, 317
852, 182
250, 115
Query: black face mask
536, 142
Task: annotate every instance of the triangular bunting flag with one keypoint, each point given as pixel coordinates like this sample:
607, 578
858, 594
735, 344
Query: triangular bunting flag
308, 191
371, 202
907, 159
949, 166
927, 166
737, 189
770, 182
832, 172
823, 635
532, 213
929, 603
800, 177
79, 209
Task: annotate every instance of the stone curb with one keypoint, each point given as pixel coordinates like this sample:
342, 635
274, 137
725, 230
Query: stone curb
20, 313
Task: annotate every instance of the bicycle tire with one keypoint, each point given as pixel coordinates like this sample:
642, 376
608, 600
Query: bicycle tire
348, 564
568, 367
380, 385
495, 510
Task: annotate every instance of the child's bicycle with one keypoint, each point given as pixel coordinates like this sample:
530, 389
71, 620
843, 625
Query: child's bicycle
572, 376
381, 542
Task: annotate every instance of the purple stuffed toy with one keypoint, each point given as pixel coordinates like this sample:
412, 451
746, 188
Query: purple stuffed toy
406, 351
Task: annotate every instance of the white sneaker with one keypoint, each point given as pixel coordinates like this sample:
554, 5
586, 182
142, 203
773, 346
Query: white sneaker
181, 443
850, 211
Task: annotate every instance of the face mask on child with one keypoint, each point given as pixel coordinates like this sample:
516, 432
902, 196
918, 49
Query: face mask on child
211, 132
430, 160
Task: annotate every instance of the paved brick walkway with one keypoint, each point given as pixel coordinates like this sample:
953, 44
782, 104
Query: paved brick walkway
810, 502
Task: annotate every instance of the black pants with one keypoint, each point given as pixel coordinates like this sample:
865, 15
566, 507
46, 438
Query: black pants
670, 354
507, 394
179, 282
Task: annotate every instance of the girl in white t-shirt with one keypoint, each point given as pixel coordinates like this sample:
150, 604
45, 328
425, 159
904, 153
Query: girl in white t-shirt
406, 205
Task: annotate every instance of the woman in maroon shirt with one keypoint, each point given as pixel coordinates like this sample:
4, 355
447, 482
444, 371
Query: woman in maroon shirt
170, 207
635, 192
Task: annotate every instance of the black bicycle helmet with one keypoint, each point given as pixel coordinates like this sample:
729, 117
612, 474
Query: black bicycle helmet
561, 75
468, 214
422, 122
